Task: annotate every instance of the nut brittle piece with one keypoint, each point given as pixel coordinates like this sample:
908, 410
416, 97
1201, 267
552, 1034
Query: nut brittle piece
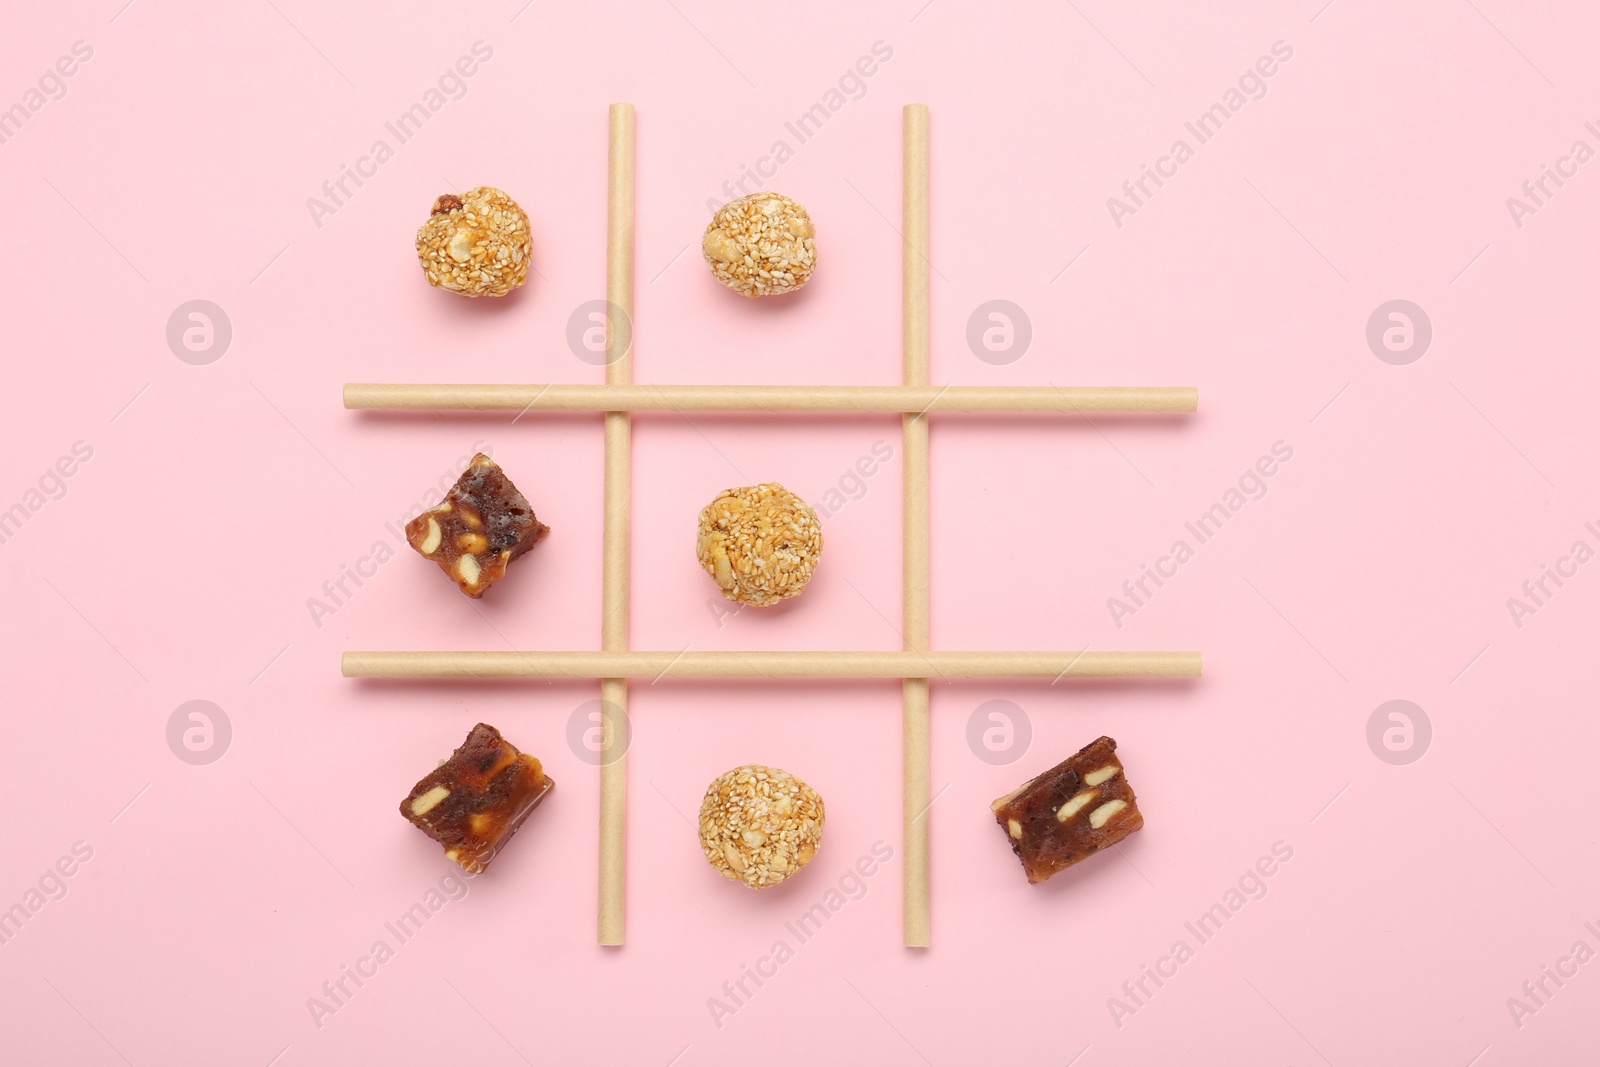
481, 526
1076, 808
474, 801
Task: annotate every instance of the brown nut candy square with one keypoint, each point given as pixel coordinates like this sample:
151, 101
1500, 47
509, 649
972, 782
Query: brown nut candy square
481, 526
475, 800
1076, 808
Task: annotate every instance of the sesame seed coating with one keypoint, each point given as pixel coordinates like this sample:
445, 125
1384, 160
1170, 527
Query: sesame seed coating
760, 543
761, 245
476, 244
760, 825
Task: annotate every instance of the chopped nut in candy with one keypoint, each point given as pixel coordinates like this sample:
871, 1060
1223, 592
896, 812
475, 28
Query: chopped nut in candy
761, 245
482, 525
476, 244
474, 801
760, 543
760, 825
1076, 808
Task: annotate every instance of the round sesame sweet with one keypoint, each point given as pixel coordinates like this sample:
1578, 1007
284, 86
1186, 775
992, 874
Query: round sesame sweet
760, 825
760, 543
476, 244
761, 245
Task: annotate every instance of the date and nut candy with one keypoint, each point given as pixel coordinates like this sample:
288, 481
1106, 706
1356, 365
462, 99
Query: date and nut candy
1080, 806
481, 526
473, 802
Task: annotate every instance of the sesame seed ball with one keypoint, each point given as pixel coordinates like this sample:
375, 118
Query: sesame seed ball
760, 825
476, 244
760, 543
761, 245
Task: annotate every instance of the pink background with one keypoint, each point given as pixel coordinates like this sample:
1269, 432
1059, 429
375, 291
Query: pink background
219, 498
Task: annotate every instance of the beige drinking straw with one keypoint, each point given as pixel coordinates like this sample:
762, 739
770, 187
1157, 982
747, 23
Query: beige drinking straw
938, 665
914, 691
857, 399
614, 595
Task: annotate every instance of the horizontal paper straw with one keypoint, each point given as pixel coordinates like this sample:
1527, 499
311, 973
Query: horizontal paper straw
937, 666
1089, 400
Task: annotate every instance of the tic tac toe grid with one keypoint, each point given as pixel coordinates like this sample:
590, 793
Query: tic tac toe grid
914, 400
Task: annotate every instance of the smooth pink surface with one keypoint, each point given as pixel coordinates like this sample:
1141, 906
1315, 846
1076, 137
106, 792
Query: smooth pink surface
1418, 499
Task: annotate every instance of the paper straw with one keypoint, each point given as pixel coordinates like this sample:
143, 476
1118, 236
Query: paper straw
614, 595
936, 665
915, 755
858, 399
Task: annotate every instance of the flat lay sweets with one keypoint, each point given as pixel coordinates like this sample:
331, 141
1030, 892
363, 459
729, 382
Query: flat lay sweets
667, 534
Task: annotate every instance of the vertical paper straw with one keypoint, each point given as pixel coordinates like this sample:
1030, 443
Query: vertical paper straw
914, 327
614, 620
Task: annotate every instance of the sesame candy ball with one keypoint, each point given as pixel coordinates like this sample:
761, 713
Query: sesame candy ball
760, 543
760, 825
476, 244
761, 245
